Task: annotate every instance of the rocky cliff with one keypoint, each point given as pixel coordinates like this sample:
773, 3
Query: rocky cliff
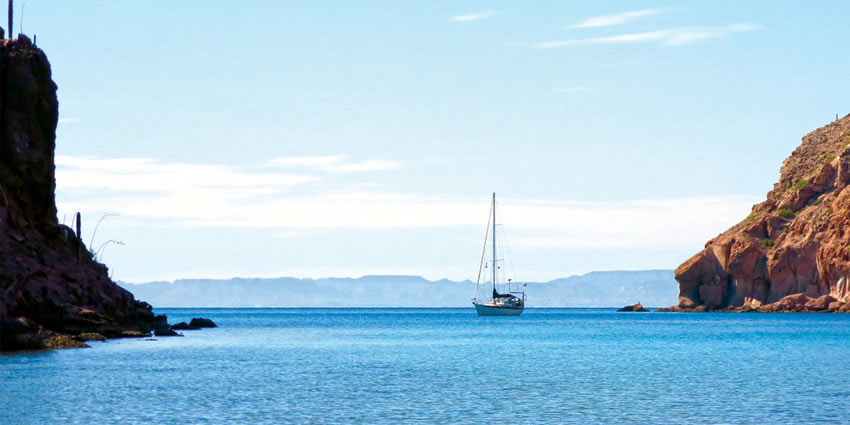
52, 292
792, 253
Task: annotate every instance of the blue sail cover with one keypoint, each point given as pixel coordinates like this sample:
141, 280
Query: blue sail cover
498, 295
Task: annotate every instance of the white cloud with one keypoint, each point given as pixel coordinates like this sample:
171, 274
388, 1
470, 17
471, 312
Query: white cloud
150, 175
364, 166
220, 196
615, 19
474, 16
669, 37
306, 161
334, 164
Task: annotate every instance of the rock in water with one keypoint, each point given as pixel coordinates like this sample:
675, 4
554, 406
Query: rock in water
46, 292
797, 242
183, 326
637, 307
202, 323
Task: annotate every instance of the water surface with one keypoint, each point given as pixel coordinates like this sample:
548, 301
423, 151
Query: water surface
375, 366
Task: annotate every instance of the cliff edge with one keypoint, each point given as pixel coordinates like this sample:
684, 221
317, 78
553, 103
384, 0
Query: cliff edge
792, 253
52, 292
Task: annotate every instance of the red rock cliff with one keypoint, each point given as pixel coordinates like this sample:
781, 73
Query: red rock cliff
793, 251
47, 292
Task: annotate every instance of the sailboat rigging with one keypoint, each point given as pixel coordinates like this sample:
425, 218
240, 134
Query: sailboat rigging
499, 304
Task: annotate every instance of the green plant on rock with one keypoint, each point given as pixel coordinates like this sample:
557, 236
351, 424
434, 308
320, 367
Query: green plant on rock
787, 213
801, 184
768, 243
752, 217
817, 201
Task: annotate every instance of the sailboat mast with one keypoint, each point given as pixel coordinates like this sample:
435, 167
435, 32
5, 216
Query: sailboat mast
494, 242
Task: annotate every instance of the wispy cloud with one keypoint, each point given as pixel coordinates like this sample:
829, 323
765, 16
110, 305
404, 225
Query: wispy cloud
334, 164
364, 166
615, 19
307, 161
479, 16
147, 175
220, 196
668, 37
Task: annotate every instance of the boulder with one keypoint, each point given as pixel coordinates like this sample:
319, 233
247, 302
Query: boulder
199, 322
821, 303
166, 332
183, 326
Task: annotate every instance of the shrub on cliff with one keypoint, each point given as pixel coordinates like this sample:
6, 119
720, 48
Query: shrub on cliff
786, 213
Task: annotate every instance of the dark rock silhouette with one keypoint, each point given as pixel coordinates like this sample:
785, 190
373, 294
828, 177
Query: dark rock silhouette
183, 326
48, 297
202, 323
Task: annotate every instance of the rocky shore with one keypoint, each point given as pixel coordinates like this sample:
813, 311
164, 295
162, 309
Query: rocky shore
53, 293
792, 253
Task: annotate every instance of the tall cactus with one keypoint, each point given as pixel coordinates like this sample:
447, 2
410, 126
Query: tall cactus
79, 235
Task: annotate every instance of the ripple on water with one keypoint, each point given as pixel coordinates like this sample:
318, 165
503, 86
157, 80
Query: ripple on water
375, 366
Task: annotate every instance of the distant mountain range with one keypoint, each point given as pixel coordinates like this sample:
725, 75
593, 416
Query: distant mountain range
656, 288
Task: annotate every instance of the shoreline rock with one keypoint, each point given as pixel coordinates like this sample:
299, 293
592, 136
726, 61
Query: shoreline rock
183, 326
200, 322
52, 289
794, 244
633, 308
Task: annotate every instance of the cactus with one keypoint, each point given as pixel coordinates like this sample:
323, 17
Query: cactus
79, 236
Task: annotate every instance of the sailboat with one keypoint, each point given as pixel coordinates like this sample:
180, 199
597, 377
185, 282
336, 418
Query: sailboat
508, 303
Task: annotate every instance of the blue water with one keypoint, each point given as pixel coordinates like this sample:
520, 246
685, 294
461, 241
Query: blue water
375, 366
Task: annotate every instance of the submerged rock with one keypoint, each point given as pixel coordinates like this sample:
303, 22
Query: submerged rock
63, 341
92, 336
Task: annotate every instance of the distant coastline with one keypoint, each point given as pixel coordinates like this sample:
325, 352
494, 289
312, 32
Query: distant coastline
595, 289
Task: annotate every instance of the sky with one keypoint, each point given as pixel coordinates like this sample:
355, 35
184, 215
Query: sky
338, 138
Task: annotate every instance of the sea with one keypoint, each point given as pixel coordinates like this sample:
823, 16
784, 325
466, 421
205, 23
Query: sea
446, 366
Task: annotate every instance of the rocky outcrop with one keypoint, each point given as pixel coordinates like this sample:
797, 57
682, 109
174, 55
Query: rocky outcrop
200, 322
183, 326
52, 291
792, 253
636, 307
194, 325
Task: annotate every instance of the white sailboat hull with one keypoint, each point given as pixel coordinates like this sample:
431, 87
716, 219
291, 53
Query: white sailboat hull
507, 304
495, 310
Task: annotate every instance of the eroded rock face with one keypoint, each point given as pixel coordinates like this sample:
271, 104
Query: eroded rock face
797, 242
48, 294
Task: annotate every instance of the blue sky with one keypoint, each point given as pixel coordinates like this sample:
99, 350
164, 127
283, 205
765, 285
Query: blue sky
349, 138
